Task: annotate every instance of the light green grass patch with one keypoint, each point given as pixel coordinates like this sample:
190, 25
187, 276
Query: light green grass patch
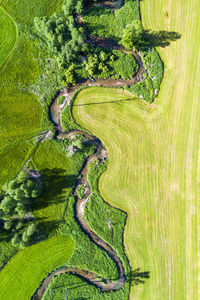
8, 35
23, 66
20, 117
13, 158
20, 278
24, 11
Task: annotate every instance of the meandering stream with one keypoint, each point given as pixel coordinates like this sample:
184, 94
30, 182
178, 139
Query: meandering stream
101, 154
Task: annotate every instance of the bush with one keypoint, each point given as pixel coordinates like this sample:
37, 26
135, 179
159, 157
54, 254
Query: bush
149, 87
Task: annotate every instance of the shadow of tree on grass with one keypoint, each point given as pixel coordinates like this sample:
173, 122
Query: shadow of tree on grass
161, 38
55, 180
136, 277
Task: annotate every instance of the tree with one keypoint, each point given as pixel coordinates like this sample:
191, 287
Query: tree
78, 144
15, 241
79, 7
103, 56
133, 35
25, 237
8, 224
8, 204
91, 65
69, 76
31, 229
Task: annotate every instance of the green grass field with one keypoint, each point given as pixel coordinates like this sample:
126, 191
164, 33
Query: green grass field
8, 35
20, 117
20, 278
13, 158
59, 174
153, 168
24, 11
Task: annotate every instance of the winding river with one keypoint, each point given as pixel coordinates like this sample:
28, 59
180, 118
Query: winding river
101, 154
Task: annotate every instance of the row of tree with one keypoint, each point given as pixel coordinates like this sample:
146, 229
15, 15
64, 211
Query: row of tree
15, 209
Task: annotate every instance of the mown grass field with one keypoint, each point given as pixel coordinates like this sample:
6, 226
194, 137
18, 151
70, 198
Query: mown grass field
153, 169
20, 278
8, 35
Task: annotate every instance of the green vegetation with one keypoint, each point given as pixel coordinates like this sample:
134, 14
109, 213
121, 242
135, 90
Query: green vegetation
105, 64
124, 65
149, 87
20, 118
125, 27
87, 255
106, 221
66, 44
97, 214
13, 158
15, 207
64, 39
80, 191
58, 55
24, 11
78, 288
6, 249
105, 23
59, 174
30, 266
66, 117
133, 36
8, 35
61, 100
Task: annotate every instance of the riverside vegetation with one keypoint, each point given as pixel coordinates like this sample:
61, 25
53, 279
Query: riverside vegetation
61, 53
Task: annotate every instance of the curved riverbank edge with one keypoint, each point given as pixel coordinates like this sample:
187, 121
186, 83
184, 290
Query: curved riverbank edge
56, 109
101, 154
103, 283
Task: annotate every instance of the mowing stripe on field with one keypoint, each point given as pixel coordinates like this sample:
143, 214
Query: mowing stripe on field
153, 168
23, 274
8, 35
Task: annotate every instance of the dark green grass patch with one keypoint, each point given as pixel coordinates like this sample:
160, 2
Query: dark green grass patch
79, 289
124, 65
8, 35
6, 250
59, 174
87, 255
148, 88
108, 222
24, 11
105, 23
